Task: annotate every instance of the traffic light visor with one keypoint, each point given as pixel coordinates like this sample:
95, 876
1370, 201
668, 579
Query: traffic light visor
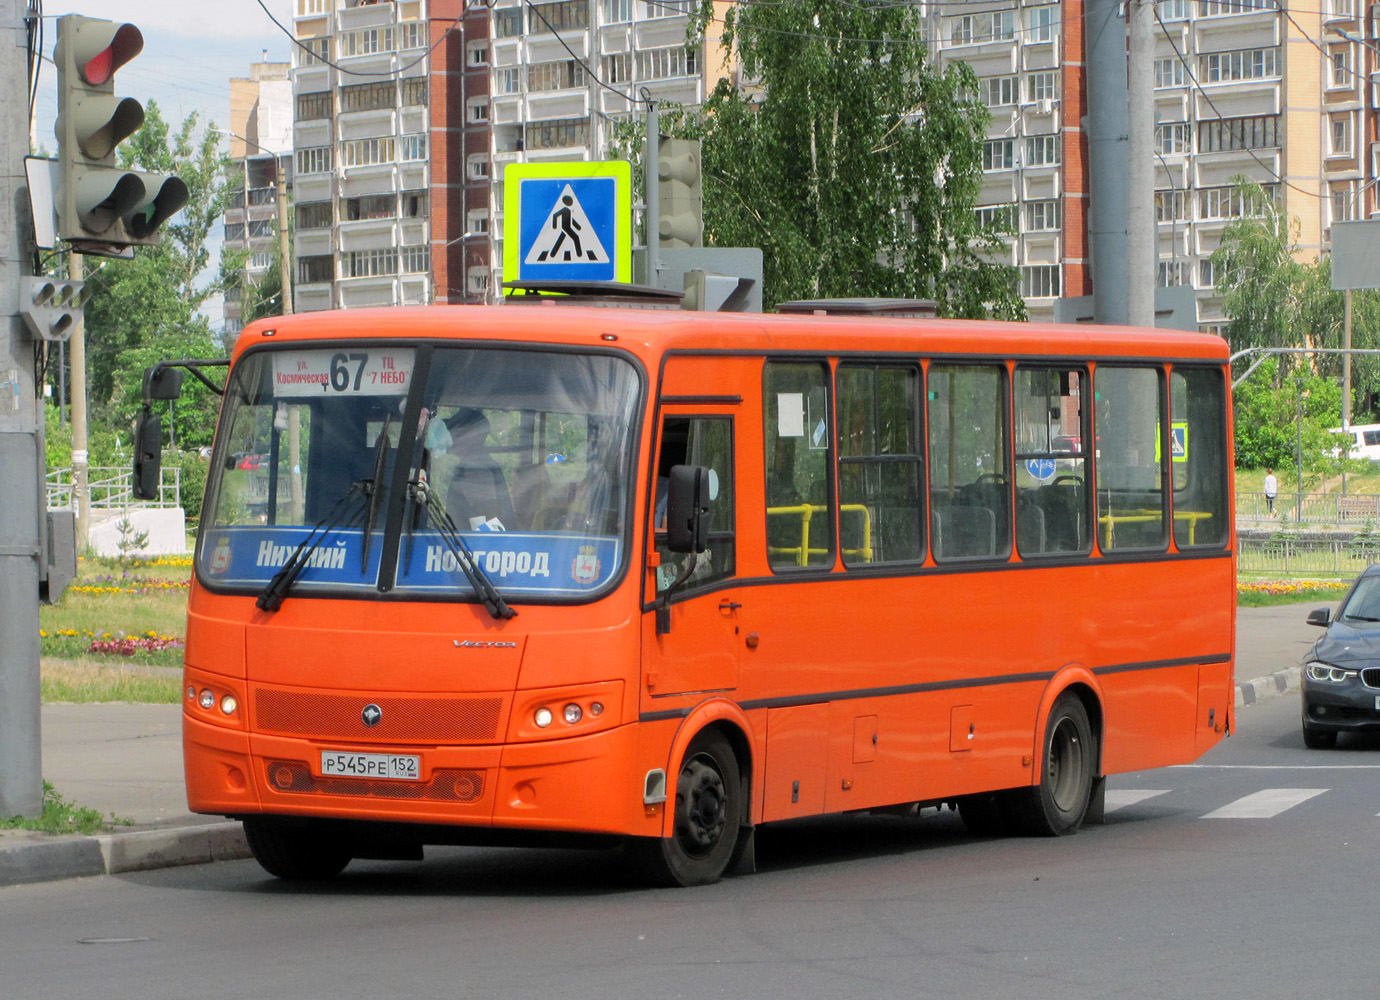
101, 51
163, 196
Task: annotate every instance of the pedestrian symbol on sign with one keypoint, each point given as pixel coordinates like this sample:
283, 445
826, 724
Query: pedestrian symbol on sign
567, 235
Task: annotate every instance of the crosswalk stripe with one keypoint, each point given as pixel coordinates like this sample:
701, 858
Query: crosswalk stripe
1120, 798
1264, 804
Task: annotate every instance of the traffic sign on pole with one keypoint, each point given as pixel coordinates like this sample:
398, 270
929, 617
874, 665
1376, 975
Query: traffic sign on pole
573, 221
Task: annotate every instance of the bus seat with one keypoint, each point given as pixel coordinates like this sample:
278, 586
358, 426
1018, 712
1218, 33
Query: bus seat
478, 488
531, 497
963, 531
1030, 528
1062, 505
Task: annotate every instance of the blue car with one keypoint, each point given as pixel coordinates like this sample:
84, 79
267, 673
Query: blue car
1341, 673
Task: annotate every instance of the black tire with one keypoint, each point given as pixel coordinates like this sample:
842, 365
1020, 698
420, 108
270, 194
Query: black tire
985, 814
1068, 763
1319, 739
296, 850
708, 815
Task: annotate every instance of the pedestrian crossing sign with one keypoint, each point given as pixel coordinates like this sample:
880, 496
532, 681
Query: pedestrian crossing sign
572, 221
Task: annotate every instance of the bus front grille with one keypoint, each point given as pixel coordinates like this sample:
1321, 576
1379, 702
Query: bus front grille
446, 784
418, 719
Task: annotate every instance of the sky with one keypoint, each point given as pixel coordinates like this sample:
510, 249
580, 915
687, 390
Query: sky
192, 48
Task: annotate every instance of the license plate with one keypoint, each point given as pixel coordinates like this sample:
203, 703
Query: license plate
405, 767
1377, 702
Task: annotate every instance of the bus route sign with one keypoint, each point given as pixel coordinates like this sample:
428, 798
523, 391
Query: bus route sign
573, 221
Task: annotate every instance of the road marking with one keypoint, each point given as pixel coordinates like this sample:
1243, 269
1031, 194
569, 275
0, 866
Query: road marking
1265, 804
1120, 798
1275, 767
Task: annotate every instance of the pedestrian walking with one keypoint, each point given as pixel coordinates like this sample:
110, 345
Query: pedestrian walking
1271, 491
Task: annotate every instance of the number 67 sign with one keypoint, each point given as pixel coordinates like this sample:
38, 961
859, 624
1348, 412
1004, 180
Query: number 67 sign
365, 372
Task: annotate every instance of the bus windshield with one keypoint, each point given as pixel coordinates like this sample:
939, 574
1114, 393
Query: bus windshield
369, 454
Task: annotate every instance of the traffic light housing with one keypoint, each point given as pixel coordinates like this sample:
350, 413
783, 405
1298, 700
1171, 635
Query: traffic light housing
102, 207
680, 194
50, 306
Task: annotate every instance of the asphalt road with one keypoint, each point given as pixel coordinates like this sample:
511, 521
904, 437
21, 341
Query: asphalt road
1171, 898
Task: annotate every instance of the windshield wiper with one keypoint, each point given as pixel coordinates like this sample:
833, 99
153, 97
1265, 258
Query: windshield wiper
374, 490
483, 588
271, 597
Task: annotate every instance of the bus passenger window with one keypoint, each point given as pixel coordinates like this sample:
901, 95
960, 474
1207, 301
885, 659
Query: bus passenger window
706, 441
1197, 453
879, 466
1130, 469
799, 521
1051, 462
970, 501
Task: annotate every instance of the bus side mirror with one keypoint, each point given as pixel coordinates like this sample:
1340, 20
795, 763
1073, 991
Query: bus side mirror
148, 456
687, 509
161, 382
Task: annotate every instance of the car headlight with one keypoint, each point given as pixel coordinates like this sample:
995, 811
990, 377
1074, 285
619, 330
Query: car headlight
1319, 671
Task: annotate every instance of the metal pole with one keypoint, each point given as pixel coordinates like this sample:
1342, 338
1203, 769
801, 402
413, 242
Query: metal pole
1298, 452
21, 454
81, 495
651, 196
1107, 159
1141, 229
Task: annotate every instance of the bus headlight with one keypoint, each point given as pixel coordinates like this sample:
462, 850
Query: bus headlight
542, 718
207, 699
572, 714
228, 704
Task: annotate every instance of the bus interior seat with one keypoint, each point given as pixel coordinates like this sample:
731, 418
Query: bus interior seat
478, 488
1030, 528
963, 531
532, 507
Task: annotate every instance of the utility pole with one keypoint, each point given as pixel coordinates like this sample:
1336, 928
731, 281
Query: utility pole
81, 487
1142, 231
1108, 160
21, 450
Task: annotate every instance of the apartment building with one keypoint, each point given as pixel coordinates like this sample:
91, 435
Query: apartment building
1240, 87
380, 132
260, 137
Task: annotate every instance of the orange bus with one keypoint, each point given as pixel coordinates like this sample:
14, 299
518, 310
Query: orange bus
518, 573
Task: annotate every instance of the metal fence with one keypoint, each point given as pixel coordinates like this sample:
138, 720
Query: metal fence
1329, 509
112, 488
1308, 556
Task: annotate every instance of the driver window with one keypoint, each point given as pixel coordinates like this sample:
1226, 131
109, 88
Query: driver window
706, 441
970, 505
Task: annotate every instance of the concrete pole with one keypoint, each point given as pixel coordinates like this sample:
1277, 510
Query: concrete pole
21, 452
1142, 242
1106, 128
284, 261
81, 490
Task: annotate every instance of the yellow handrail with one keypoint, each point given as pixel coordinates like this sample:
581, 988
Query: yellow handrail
1110, 521
805, 511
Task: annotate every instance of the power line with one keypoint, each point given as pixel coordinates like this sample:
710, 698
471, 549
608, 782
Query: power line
354, 72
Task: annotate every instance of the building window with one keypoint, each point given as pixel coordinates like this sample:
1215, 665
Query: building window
658, 64
509, 80
234, 232
558, 133
1243, 64
998, 90
1171, 206
562, 75
1172, 137
314, 215
369, 206
259, 261
1258, 132
1341, 70
1170, 274
1001, 217
1228, 203
1340, 131
416, 204
367, 42
1040, 281
1042, 86
369, 263
1221, 8
615, 11
479, 54
479, 168
564, 15
313, 51
314, 160
1042, 216
617, 68
666, 8
367, 96
1169, 73
314, 269
366, 152
412, 147
415, 91
415, 260
412, 35
478, 111
312, 107
508, 22
973, 29
1041, 150
1174, 10
998, 154
1043, 23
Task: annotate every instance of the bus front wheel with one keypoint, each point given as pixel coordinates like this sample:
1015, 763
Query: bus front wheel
303, 850
708, 813
1056, 806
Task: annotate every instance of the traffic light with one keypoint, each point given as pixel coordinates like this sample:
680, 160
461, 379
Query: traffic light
680, 196
50, 306
100, 206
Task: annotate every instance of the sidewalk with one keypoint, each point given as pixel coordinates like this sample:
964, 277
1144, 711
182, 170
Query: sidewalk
127, 759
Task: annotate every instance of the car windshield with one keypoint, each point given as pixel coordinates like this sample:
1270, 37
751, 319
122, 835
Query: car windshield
1364, 603
522, 457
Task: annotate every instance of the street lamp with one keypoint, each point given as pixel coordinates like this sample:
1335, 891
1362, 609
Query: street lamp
284, 265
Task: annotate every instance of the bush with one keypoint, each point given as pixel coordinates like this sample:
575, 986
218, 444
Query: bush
193, 478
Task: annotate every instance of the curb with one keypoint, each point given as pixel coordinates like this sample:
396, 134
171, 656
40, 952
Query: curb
51, 859
1250, 692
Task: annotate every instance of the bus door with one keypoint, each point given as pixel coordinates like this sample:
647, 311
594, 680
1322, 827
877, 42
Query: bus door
698, 652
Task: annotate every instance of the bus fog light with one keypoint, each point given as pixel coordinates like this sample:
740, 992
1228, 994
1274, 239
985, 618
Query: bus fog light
207, 699
542, 718
191, 692
596, 708
228, 704
572, 713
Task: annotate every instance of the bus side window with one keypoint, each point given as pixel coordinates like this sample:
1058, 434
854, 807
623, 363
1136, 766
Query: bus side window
1130, 468
1197, 415
970, 485
879, 465
799, 518
706, 441
1051, 462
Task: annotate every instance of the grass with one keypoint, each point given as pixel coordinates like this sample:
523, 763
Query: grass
1266, 593
61, 816
99, 680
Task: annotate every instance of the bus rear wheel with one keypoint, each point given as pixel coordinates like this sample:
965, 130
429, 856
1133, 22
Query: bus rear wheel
708, 813
300, 850
1056, 806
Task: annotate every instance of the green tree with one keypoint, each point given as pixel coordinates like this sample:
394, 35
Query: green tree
849, 161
